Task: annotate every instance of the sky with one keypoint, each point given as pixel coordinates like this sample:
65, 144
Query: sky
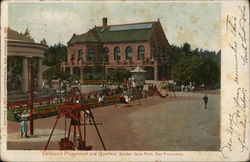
195, 23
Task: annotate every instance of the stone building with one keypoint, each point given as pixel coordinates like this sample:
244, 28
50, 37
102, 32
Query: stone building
24, 49
106, 47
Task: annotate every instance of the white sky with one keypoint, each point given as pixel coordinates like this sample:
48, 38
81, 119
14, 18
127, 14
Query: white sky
195, 23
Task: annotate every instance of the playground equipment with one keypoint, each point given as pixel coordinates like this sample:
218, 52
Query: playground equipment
169, 90
43, 107
130, 88
77, 112
164, 86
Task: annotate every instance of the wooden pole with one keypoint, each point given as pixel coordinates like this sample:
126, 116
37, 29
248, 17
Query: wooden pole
51, 134
99, 135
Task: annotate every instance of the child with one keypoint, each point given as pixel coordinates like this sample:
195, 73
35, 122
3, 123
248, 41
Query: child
24, 124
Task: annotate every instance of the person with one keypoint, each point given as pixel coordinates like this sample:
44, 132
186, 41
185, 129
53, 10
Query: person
89, 116
56, 100
24, 124
182, 88
44, 83
80, 144
127, 98
17, 116
101, 99
124, 97
205, 99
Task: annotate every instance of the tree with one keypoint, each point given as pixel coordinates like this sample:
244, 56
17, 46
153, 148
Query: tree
210, 73
198, 65
43, 42
118, 75
54, 72
186, 48
188, 70
27, 33
55, 54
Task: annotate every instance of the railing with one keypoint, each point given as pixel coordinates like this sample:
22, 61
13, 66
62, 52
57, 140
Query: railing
26, 103
82, 63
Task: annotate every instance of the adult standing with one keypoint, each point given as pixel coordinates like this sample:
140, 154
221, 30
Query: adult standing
205, 99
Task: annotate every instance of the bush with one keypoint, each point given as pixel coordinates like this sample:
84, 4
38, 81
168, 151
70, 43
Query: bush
118, 75
55, 73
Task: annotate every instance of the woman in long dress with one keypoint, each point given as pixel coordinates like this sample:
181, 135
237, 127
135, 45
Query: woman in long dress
24, 124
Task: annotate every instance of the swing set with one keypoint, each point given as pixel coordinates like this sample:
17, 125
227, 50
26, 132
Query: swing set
78, 114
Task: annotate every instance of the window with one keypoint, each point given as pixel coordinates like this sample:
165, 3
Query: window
106, 53
129, 53
91, 55
141, 52
80, 54
117, 53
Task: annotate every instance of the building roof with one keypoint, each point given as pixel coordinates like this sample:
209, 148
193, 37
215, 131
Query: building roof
138, 69
116, 33
14, 35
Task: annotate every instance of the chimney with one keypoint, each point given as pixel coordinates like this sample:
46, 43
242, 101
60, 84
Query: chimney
104, 21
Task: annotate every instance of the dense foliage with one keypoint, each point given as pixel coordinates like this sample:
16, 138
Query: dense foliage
118, 75
199, 66
54, 72
55, 54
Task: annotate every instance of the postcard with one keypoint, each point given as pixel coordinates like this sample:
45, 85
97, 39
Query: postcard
125, 81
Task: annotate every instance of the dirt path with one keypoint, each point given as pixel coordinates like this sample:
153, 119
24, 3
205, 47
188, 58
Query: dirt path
159, 124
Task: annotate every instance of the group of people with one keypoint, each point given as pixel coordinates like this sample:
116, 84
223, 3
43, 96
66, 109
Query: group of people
189, 87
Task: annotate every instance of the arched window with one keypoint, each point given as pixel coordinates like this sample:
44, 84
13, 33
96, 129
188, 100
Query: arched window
91, 55
106, 53
129, 53
141, 52
80, 54
117, 53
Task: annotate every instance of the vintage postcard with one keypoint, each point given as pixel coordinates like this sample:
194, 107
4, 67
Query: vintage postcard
125, 81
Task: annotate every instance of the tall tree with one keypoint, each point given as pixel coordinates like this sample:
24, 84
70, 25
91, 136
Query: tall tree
27, 33
55, 54
198, 65
43, 42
